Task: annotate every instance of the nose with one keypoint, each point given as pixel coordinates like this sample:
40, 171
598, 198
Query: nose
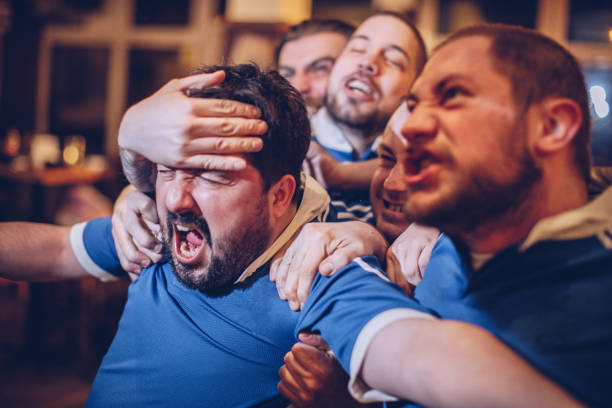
301, 82
369, 64
420, 126
179, 198
395, 184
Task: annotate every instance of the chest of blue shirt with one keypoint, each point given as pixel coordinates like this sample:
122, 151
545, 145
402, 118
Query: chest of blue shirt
180, 346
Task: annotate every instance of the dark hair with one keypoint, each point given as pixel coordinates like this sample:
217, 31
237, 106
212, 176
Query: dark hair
313, 26
421, 59
537, 67
288, 136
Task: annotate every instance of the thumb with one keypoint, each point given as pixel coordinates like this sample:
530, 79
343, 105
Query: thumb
313, 339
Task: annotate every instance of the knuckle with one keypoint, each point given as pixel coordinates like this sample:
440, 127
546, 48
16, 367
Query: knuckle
228, 107
220, 144
226, 126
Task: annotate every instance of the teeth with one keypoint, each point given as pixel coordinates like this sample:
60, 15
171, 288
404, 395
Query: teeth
182, 228
360, 86
184, 247
396, 208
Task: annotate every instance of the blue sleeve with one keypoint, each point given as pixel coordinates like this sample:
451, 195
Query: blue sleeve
341, 305
100, 246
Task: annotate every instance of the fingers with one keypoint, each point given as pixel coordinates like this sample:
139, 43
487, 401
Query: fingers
130, 258
213, 162
292, 389
210, 107
308, 362
226, 126
140, 211
299, 264
226, 145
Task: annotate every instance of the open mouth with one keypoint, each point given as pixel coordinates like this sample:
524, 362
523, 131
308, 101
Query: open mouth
393, 207
359, 86
189, 243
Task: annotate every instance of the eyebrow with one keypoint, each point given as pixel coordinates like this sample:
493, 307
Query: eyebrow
327, 58
411, 97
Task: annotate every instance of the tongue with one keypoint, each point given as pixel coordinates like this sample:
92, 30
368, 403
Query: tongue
194, 239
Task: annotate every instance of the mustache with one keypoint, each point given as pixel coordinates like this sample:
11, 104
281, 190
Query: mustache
189, 218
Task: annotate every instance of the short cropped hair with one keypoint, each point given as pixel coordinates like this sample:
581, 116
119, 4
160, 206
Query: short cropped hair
537, 67
286, 141
420, 59
313, 26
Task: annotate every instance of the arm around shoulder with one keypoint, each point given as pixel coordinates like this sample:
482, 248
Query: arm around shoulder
454, 364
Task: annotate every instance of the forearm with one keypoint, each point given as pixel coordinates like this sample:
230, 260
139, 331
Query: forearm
356, 175
138, 170
37, 252
454, 364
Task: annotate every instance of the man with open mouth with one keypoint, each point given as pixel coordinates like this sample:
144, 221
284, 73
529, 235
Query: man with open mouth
375, 70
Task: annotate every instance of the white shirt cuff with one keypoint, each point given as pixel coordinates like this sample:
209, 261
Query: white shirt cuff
78, 248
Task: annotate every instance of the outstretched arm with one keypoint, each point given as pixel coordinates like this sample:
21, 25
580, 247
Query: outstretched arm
331, 173
37, 252
454, 364
173, 129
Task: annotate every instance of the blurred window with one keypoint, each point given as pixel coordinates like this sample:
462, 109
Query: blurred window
590, 21
456, 14
599, 86
149, 70
161, 12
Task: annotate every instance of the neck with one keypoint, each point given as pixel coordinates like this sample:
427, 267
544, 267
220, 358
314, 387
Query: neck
514, 226
360, 138
281, 223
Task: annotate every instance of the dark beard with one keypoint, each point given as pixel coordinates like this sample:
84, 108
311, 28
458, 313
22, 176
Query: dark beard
229, 256
484, 199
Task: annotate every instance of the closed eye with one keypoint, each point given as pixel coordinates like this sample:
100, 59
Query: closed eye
216, 177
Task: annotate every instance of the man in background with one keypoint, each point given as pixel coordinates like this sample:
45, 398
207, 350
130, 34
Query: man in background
306, 54
375, 70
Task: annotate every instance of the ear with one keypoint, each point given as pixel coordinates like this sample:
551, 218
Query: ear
280, 195
561, 119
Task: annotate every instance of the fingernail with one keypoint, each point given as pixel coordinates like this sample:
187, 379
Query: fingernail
293, 305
